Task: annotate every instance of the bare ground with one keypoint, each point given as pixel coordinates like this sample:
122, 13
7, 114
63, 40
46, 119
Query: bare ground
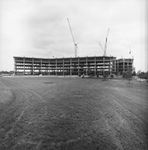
44, 113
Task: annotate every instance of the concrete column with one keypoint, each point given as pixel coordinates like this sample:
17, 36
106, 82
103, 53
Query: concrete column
49, 66
70, 66
78, 66
86, 66
103, 64
63, 67
41, 66
115, 70
110, 65
123, 65
24, 64
56, 67
32, 67
95, 66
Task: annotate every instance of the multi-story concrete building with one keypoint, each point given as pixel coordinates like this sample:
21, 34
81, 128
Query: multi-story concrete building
97, 65
123, 65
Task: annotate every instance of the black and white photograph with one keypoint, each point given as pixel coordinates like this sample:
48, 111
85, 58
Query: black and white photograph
73, 75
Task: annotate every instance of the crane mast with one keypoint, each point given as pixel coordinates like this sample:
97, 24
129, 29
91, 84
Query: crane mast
105, 47
75, 44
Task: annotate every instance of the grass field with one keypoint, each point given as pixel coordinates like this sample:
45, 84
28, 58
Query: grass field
49, 113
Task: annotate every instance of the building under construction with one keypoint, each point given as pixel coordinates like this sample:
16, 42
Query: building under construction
92, 66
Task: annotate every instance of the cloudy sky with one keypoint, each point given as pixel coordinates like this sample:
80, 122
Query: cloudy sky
39, 28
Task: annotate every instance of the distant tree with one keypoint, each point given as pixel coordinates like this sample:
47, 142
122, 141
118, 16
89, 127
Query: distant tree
133, 73
143, 75
128, 75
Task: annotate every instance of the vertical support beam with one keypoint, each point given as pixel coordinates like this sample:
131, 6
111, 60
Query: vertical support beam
70, 66
78, 66
103, 64
86, 65
123, 65
114, 65
56, 67
41, 66
24, 64
49, 66
95, 65
32, 66
110, 65
63, 68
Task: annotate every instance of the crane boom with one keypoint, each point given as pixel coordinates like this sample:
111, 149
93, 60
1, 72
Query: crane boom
75, 45
101, 46
71, 31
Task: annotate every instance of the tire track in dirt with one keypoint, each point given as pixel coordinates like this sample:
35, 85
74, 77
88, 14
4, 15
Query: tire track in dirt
134, 120
113, 109
126, 102
130, 122
26, 96
18, 98
33, 93
34, 120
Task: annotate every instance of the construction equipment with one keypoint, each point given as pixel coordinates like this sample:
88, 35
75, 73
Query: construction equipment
75, 44
101, 46
105, 47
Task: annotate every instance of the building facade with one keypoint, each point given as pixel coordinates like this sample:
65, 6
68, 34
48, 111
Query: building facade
94, 66
124, 65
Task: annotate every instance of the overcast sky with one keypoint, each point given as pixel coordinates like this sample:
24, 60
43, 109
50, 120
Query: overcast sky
39, 28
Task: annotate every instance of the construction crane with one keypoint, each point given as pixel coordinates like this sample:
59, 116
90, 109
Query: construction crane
75, 44
101, 46
105, 46
104, 49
